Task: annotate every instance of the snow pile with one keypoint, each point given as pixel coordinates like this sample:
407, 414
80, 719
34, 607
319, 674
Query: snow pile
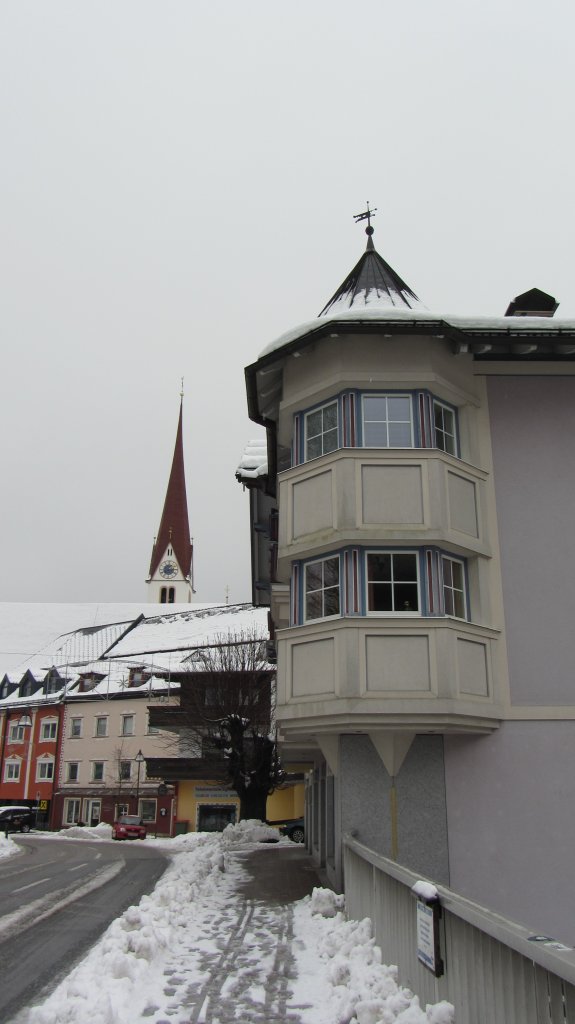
250, 831
340, 958
8, 847
101, 831
126, 967
425, 890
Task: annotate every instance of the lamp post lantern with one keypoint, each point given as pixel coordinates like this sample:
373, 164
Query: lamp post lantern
139, 759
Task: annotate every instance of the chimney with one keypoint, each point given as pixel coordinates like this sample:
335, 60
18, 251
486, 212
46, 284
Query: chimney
532, 303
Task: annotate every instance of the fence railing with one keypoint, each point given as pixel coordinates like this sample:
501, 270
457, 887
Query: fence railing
493, 972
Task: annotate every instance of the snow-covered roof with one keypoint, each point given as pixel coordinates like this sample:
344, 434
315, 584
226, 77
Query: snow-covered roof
32, 634
520, 325
254, 461
196, 628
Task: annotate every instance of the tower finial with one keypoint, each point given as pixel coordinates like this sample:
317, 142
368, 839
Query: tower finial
182, 389
367, 215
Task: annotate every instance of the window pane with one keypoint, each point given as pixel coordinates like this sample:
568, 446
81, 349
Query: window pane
379, 567
457, 574
375, 408
313, 423
332, 601
375, 435
331, 572
313, 576
458, 604
379, 597
330, 416
405, 567
448, 601
400, 435
405, 597
447, 572
313, 448
330, 441
399, 408
313, 606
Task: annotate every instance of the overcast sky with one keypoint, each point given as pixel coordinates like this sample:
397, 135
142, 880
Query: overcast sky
178, 181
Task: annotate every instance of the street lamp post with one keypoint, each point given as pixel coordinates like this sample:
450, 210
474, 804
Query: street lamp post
25, 722
139, 759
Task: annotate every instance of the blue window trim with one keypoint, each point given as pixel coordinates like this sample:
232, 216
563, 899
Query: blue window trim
348, 428
298, 581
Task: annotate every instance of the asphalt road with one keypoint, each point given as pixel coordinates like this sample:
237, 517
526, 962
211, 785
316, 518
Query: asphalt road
56, 899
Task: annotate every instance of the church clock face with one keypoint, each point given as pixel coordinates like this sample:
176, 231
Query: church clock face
168, 570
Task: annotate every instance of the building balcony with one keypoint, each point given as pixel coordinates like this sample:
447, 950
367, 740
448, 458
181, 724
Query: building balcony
361, 674
374, 496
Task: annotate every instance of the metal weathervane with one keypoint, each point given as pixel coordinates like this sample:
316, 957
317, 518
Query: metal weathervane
366, 215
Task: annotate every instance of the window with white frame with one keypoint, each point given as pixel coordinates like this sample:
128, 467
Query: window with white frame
128, 725
75, 728
393, 582
454, 599
12, 770
71, 812
101, 727
48, 729
73, 771
16, 734
387, 421
45, 770
321, 431
97, 771
321, 588
444, 428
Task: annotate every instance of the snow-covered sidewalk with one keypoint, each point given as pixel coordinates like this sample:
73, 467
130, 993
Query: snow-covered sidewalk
197, 950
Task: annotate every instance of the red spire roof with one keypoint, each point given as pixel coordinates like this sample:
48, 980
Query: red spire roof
174, 525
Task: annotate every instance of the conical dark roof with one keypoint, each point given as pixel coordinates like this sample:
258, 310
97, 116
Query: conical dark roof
373, 283
174, 526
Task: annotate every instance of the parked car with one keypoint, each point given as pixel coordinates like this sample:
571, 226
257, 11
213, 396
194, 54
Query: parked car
16, 819
129, 826
294, 829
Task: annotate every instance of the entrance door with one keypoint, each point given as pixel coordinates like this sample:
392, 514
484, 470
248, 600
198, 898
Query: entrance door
93, 812
214, 818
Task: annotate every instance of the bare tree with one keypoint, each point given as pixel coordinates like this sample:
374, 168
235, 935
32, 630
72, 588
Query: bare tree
227, 701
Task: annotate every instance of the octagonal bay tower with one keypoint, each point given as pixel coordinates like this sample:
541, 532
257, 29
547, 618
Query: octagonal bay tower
402, 460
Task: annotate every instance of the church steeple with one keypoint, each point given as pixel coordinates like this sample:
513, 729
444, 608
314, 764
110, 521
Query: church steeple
171, 575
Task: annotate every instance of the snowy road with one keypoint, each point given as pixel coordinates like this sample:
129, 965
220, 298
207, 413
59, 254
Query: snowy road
57, 899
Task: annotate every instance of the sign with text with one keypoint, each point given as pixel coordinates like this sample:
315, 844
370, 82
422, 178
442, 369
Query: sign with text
428, 937
209, 793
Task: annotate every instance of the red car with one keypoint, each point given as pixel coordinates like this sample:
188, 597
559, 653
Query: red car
129, 826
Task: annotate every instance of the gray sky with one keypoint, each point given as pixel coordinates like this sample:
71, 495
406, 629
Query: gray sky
177, 187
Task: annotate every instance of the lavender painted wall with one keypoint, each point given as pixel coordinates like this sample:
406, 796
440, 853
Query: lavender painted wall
510, 805
533, 436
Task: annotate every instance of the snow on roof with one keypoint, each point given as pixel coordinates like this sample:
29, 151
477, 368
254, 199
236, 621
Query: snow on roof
375, 314
193, 629
372, 282
29, 629
254, 461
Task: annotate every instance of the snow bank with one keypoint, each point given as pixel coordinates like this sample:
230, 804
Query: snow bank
251, 831
8, 847
340, 969
101, 831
